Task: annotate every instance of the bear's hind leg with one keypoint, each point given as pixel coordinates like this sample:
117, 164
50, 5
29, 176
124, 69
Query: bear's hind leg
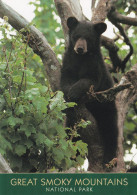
107, 123
106, 117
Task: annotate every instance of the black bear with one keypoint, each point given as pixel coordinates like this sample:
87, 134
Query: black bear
83, 67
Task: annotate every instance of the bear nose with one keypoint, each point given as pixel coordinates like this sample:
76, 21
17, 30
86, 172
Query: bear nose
80, 50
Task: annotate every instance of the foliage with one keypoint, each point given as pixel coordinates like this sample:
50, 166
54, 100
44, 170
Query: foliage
32, 134
130, 130
48, 22
128, 7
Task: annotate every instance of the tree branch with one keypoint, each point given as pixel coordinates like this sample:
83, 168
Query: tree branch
123, 19
124, 100
93, 5
101, 11
126, 40
109, 94
66, 9
110, 45
37, 42
4, 167
99, 15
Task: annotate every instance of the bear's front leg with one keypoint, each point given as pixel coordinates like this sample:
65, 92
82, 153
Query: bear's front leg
79, 89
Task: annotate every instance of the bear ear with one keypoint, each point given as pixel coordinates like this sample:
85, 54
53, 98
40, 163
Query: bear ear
72, 22
100, 27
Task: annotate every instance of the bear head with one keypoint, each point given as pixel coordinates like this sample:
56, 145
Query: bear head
84, 36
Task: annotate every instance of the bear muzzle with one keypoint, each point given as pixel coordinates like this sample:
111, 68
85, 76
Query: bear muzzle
81, 46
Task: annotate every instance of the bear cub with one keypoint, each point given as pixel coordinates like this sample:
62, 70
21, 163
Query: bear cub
83, 66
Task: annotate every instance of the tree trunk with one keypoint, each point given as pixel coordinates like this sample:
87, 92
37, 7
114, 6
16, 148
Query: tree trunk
4, 167
124, 100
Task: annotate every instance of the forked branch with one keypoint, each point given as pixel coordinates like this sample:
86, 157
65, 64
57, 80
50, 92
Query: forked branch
37, 42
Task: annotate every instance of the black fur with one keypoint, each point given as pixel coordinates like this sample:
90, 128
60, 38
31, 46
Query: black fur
80, 71
133, 169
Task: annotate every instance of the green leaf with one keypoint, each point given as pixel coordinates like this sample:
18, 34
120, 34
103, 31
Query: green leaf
30, 94
61, 131
2, 102
20, 150
5, 144
58, 153
2, 152
43, 89
27, 129
40, 104
49, 143
84, 123
28, 143
82, 147
58, 102
20, 110
40, 138
3, 66
64, 144
43, 126
80, 160
15, 161
12, 121
17, 79
15, 138
71, 104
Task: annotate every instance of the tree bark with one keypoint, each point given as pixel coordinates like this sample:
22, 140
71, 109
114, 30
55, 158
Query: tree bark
4, 167
66, 9
124, 100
